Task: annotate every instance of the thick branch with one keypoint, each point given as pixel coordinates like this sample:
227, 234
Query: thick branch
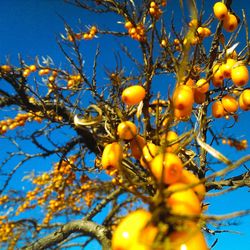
89, 228
242, 180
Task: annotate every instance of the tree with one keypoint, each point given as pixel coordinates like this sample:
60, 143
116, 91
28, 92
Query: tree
113, 138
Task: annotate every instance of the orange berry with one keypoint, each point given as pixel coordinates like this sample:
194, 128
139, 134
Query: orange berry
193, 23
92, 33
206, 31
246, 96
43, 72
163, 43
183, 114
183, 200
32, 68
147, 237
5, 68
188, 238
176, 42
244, 100
178, 48
183, 97
112, 156
85, 36
149, 151
90, 36
229, 103
168, 138
3, 128
230, 23
139, 246
51, 79
153, 4
132, 31
126, 130
152, 11
190, 82
128, 25
78, 36
13, 125
136, 146
71, 83
240, 75
166, 167
220, 10
218, 83
133, 95
189, 178
26, 72
70, 38
199, 98
125, 235
218, 109
163, 3
54, 73
226, 68
200, 31
165, 122
224, 141
185, 41
93, 30
202, 85
217, 73
195, 40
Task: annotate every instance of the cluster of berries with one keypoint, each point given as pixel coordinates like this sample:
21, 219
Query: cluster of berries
51, 185
229, 20
28, 70
74, 81
239, 145
5, 68
199, 32
239, 74
3, 199
86, 35
6, 230
136, 32
184, 190
154, 10
19, 120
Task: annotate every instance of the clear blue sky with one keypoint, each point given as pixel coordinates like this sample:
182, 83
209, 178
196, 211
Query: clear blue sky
29, 27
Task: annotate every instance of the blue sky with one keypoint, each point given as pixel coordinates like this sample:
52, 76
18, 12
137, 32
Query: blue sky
30, 27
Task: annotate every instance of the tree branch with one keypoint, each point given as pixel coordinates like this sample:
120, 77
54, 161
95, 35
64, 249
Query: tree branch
87, 227
235, 182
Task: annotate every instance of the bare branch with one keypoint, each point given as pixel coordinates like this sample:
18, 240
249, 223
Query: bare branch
83, 226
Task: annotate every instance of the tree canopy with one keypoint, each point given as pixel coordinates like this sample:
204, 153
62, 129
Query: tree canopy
127, 148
